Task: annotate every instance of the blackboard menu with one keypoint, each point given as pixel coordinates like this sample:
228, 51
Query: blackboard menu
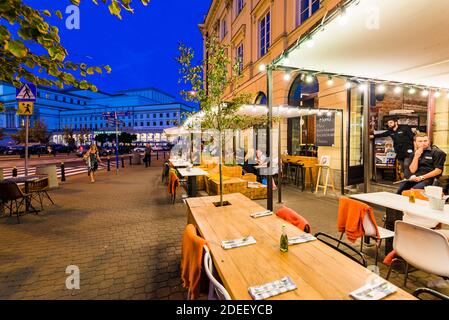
325, 130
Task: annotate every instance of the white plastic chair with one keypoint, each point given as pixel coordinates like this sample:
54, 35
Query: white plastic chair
216, 290
423, 248
370, 231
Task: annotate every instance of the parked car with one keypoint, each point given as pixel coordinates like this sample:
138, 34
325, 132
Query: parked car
12, 150
139, 149
38, 149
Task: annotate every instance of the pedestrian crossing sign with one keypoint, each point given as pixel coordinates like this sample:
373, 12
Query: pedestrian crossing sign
25, 108
26, 93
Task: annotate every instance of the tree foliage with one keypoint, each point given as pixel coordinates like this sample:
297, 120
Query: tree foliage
126, 137
31, 48
38, 132
68, 137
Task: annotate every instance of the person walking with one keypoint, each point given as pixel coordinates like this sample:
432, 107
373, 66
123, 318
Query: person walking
147, 157
92, 159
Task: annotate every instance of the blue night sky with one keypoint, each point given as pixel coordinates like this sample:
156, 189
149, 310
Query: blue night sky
140, 48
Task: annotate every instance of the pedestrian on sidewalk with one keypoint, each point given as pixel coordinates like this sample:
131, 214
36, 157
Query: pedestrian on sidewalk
92, 159
147, 157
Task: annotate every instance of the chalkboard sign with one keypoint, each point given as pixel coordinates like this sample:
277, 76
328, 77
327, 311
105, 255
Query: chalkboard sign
325, 130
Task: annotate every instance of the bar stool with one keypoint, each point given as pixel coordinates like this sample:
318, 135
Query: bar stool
300, 176
310, 170
292, 169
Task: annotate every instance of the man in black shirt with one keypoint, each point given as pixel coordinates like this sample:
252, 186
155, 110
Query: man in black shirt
402, 137
426, 163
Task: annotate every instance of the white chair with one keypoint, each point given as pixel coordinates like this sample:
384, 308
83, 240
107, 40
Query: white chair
216, 290
423, 248
370, 231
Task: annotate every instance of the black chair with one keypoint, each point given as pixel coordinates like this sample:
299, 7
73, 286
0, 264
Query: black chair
13, 197
325, 238
434, 293
38, 189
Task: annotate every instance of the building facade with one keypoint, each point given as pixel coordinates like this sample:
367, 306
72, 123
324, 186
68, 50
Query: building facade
259, 31
145, 112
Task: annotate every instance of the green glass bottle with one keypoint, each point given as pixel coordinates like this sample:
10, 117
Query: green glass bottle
284, 240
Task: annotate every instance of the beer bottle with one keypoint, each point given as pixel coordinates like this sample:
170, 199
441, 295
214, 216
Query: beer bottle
284, 240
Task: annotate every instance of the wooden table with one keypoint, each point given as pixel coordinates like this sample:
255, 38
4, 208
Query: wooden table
191, 176
230, 185
319, 271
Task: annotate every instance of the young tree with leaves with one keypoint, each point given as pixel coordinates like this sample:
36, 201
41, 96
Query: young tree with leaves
208, 82
31, 46
68, 138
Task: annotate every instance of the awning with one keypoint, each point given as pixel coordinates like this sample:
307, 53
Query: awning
405, 41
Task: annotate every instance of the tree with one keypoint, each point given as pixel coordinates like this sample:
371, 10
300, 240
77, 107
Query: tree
31, 45
83, 133
68, 138
102, 138
208, 82
126, 137
36, 133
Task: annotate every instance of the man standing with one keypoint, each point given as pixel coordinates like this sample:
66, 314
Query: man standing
426, 163
147, 157
402, 137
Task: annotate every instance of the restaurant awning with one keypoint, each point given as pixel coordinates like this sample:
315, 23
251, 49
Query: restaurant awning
398, 41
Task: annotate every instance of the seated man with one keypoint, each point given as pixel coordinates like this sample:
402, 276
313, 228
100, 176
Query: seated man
422, 166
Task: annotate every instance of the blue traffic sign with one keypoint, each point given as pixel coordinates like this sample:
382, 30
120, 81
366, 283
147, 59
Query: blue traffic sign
27, 92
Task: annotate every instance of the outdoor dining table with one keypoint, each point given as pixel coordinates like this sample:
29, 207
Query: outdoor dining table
26, 181
177, 163
318, 271
396, 202
191, 175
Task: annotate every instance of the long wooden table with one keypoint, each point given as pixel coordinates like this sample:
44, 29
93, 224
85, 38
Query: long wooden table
319, 271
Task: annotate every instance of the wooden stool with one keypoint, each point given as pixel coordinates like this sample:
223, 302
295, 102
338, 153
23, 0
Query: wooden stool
308, 168
329, 174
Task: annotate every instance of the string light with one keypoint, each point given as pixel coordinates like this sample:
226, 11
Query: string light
329, 113
262, 67
343, 18
363, 86
412, 90
348, 85
425, 93
310, 43
320, 113
330, 81
309, 78
398, 89
381, 88
437, 93
287, 76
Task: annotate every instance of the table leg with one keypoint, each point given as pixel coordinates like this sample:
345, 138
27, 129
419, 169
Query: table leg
392, 217
311, 179
192, 186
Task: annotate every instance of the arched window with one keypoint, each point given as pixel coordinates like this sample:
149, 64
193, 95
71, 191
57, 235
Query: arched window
261, 98
303, 93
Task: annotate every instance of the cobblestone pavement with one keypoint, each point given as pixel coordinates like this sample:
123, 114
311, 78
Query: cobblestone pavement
121, 232
125, 238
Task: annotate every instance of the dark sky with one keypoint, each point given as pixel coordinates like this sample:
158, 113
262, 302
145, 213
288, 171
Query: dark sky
140, 48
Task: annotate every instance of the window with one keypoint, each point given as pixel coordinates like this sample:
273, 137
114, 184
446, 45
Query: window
135, 124
154, 123
239, 57
175, 114
101, 125
160, 123
141, 124
161, 115
154, 115
148, 124
148, 115
141, 116
305, 9
129, 124
71, 100
239, 6
224, 28
168, 115
63, 99
264, 34
168, 123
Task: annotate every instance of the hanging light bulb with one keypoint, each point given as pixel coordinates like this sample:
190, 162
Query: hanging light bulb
425, 93
362, 87
309, 78
437, 94
397, 90
330, 81
310, 43
412, 90
287, 76
381, 88
329, 113
320, 113
262, 67
348, 84
343, 18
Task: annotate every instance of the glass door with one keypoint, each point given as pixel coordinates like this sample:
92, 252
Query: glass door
355, 165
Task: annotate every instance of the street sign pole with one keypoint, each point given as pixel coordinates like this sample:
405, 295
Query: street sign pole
116, 142
26, 144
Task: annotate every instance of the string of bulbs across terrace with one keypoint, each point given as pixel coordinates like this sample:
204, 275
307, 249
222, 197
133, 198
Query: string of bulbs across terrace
339, 18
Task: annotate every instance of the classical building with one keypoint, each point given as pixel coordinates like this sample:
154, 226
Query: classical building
145, 112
